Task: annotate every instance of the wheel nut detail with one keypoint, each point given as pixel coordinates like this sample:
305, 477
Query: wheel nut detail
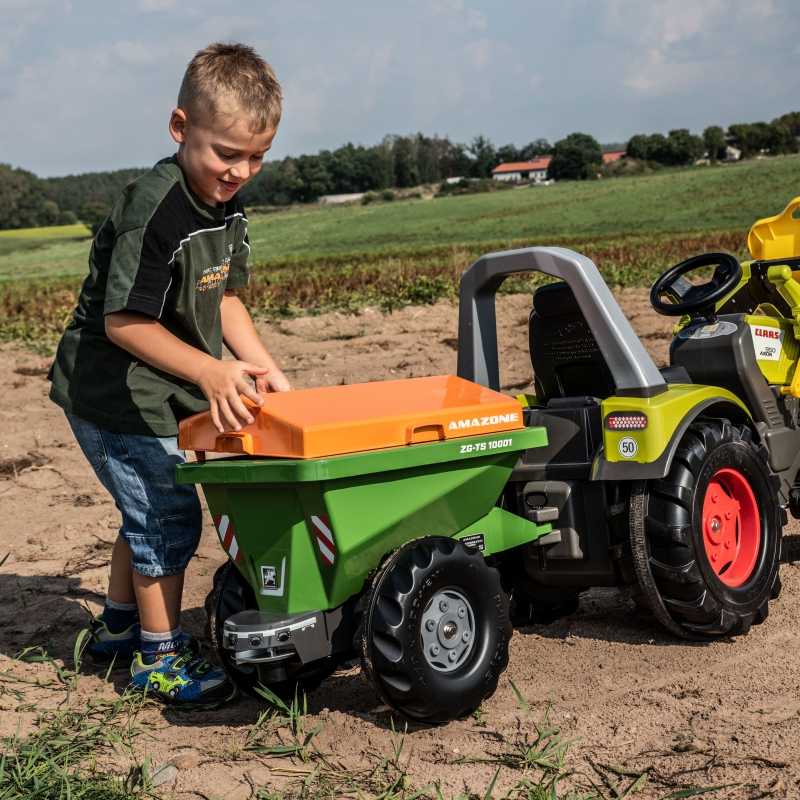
448, 626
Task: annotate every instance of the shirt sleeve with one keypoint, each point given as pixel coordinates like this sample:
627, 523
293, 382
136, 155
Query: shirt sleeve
140, 272
239, 272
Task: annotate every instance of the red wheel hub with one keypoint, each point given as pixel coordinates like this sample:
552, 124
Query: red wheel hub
731, 526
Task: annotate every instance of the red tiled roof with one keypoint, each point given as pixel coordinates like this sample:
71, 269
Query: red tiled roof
522, 166
612, 155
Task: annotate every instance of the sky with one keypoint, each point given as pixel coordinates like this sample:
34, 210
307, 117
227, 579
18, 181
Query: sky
89, 85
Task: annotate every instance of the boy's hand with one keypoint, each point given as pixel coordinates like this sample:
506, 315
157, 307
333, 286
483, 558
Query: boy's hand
222, 382
273, 381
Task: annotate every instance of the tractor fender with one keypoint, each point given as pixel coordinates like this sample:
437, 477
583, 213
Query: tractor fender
719, 406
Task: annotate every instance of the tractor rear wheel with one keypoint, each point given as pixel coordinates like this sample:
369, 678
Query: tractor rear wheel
435, 631
706, 539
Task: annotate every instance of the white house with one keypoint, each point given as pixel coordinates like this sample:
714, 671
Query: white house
535, 171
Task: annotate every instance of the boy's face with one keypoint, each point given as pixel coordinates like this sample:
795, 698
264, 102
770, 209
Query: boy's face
218, 156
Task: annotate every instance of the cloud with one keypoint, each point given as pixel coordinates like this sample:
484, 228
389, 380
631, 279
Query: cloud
673, 45
157, 5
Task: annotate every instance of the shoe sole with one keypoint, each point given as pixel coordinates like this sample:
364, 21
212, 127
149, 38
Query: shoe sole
187, 705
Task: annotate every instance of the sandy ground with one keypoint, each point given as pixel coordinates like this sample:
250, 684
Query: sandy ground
628, 695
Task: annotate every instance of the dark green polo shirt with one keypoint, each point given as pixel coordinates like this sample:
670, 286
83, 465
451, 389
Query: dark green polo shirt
165, 254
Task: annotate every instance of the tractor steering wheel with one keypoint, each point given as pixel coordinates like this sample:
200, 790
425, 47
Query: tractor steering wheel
686, 298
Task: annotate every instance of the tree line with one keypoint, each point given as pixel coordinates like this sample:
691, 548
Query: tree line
396, 162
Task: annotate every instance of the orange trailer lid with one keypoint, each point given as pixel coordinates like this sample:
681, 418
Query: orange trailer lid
332, 420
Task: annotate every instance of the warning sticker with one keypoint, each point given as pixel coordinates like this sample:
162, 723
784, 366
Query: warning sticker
767, 342
475, 540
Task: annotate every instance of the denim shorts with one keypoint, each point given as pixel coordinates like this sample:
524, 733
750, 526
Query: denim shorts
161, 520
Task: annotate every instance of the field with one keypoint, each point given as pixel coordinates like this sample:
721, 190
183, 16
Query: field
313, 259
600, 704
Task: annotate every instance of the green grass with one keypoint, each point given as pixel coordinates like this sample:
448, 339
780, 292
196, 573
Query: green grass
48, 232
313, 259
725, 197
695, 199
42, 251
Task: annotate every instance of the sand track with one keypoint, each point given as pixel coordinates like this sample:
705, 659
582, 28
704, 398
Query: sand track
708, 715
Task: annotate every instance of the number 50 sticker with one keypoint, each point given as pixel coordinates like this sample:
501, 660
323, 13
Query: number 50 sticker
628, 447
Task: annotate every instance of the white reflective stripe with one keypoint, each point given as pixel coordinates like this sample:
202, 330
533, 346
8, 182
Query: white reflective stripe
324, 530
163, 302
327, 554
234, 551
188, 238
223, 525
205, 230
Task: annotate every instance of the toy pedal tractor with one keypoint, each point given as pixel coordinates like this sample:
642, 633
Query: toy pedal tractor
410, 521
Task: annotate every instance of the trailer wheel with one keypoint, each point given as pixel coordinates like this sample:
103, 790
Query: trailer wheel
229, 595
706, 539
435, 632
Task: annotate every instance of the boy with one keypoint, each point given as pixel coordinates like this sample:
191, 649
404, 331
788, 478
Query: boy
144, 351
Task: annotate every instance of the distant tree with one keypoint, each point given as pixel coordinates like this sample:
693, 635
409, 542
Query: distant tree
683, 147
536, 148
93, 214
455, 161
791, 120
508, 153
484, 157
576, 157
406, 170
66, 218
638, 147
658, 148
25, 200
784, 140
428, 157
750, 137
714, 142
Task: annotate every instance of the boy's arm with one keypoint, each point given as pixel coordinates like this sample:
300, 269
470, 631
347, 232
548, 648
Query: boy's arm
242, 339
220, 381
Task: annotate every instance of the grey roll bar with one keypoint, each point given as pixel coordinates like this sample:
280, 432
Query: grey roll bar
632, 369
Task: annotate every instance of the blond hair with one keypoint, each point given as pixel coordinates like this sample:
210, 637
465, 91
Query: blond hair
235, 71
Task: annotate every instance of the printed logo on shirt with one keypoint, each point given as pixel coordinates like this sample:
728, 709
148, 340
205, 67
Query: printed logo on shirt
213, 277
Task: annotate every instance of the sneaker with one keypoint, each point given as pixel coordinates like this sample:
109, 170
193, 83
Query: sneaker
104, 646
184, 679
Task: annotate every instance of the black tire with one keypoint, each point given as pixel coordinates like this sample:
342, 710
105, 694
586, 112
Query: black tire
393, 654
679, 581
229, 595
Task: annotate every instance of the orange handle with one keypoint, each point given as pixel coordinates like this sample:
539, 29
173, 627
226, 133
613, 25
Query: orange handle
416, 434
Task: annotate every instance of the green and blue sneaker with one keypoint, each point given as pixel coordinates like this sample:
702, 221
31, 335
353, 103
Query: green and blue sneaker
184, 679
104, 646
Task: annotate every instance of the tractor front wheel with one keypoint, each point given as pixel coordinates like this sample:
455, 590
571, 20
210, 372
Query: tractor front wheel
436, 629
706, 539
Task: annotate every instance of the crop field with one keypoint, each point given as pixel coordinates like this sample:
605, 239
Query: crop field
312, 259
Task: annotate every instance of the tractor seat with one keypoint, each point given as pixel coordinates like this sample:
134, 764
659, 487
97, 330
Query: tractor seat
566, 358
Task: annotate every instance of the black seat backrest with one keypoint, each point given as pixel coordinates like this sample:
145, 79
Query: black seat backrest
565, 356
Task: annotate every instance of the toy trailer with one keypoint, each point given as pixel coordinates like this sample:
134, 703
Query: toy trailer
358, 519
